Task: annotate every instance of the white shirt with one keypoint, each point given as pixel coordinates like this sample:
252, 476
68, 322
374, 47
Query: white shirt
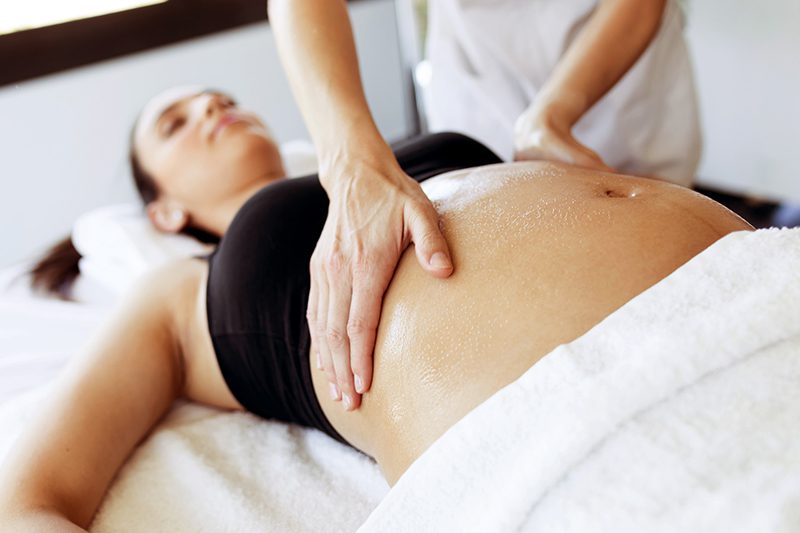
490, 58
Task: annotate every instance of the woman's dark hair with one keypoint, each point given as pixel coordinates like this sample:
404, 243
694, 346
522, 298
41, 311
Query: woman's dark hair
56, 271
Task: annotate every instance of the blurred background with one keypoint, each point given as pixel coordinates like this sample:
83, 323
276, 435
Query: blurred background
73, 76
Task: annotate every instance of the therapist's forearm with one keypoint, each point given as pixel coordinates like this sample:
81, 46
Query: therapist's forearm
615, 36
316, 46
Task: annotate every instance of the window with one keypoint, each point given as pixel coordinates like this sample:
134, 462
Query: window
40, 13
65, 34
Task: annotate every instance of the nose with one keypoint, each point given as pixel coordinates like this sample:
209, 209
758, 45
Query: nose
213, 103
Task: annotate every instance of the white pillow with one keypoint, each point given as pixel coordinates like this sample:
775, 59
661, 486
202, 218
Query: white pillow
299, 158
118, 243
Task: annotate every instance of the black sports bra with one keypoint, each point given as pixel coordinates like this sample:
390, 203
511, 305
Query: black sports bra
258, 283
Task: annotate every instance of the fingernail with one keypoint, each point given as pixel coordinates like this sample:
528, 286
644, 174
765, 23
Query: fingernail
359, 384
439, 260
319, 360
348, 403
334, 391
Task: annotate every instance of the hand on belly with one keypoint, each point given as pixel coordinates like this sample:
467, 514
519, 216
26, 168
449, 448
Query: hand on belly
542, 253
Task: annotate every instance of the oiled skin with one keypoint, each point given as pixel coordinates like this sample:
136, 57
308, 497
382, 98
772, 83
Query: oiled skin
542, 253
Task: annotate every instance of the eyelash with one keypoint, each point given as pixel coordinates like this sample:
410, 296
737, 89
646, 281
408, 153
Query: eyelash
173, 125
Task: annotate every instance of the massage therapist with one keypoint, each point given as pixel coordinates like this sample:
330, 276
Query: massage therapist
596, 84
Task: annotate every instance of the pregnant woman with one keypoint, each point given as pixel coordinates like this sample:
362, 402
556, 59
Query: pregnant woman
541, 252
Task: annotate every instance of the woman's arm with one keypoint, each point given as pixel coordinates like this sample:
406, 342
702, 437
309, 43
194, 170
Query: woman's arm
103, 405
615, 36
375, 211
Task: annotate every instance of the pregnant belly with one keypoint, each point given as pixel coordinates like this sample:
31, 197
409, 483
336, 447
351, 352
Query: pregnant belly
542, 253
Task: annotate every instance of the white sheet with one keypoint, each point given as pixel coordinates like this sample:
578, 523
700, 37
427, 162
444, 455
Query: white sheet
38, 335
679, 412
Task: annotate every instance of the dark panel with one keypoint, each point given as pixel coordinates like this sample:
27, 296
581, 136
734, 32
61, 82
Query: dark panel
32, 53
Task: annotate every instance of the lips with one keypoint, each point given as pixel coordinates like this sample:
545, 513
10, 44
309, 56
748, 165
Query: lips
226, 120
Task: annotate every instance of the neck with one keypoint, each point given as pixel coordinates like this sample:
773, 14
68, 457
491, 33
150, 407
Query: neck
223, 213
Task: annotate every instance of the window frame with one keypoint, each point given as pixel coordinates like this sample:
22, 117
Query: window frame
38, 52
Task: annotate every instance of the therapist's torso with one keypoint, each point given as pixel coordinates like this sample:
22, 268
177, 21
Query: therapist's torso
491, 57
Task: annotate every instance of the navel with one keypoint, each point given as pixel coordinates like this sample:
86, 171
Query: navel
620, 193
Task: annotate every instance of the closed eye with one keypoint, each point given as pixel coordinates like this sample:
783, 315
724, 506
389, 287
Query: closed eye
173, 125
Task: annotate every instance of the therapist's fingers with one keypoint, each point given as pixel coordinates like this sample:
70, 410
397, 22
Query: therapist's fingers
552, 144
370, 280
323, 363
587, 158
318, 307
311, 318
430, 245
339, 296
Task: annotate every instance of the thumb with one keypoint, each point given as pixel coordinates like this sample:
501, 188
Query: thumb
431, 247
586, 157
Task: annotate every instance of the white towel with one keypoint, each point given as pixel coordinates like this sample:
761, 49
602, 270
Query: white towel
679, 412
208, 471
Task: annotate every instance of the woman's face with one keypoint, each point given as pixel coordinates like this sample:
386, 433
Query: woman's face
202, 149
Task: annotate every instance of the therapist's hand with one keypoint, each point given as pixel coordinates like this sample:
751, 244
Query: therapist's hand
375, 212
542, 135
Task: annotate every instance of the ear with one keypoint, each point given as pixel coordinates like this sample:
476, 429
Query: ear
167, 216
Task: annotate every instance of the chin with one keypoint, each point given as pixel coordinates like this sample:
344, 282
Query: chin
256, 155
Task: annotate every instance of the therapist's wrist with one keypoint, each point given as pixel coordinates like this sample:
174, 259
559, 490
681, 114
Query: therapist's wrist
559, 111
354, 152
